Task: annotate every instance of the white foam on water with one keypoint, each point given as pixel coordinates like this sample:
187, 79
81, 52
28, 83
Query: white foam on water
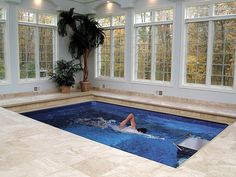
102, 123
94, 122
153, 137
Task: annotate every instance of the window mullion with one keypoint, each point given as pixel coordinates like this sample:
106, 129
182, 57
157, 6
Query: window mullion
223, 62
112, 54
234, 83
186, 48
209, 52
26, 55
153, 68
136, 55
99, 57
37, 51
55, 51
6, 67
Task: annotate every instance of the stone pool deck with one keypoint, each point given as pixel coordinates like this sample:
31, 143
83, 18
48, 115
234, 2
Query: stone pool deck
29, 148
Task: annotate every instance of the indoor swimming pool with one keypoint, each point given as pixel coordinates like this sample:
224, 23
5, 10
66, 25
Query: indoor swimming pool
96, 121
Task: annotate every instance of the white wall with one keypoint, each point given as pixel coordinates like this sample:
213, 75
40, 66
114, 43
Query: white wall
176, 89
14, 85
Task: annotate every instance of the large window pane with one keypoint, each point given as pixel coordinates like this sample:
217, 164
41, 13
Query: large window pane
27, 51
104, 22
24, 16
105, 60
143, 55
197, 35
197, 11
2, 49
118, 20
119, 44
46, 19
110, 56
224, 49
143, 17
2, 13
154, 45
46, 45
164, 15
36, 44
222, 45
225, 8
164, 50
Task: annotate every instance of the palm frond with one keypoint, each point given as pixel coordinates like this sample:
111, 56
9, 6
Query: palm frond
67, 18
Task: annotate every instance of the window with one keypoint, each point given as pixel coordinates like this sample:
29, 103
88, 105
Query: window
27, 51
2, 44
224, 50
211, 46
110, 56
37, 42
197, 52
154, 33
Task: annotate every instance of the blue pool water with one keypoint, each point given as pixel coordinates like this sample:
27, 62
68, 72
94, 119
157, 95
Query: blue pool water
92, 120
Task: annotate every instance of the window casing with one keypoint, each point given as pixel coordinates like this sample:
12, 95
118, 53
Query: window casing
111, 55
153, 50
37, 44
3, 76
210, 38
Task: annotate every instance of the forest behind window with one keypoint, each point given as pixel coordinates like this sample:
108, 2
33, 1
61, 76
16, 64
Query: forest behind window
2, 44
36, 44
111, 55
153, 39
211, 44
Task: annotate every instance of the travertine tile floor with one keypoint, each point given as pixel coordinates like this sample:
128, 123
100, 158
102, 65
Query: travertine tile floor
32, 149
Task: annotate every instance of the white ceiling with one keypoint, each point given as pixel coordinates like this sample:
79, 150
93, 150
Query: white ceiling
83, 1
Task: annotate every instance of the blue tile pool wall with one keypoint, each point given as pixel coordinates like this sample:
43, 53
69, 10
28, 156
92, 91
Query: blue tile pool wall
87, 119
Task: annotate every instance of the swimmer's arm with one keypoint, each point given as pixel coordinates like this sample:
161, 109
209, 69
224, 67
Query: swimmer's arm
130, 118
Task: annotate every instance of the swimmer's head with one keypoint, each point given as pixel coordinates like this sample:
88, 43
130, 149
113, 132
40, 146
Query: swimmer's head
142, 130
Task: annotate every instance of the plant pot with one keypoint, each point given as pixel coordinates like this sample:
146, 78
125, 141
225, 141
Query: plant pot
65, 89
85, 86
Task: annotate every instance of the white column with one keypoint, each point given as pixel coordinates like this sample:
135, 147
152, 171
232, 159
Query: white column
13, 50
129, 45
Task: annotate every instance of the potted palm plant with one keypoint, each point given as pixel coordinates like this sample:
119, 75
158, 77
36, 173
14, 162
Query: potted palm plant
64, 74
85, 35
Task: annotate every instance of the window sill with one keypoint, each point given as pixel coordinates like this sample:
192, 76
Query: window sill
29, 81
4, 82
159, 83
209, 88
110, 79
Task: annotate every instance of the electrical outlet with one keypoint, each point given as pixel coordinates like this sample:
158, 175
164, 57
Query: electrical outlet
159, 92
36, 89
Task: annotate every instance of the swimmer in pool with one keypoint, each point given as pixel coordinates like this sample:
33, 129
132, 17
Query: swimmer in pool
130, 118
131, 129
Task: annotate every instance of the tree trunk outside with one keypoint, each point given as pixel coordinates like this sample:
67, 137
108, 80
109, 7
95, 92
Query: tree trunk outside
85, 71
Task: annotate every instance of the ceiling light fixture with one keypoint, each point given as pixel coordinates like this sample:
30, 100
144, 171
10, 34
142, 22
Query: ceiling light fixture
38, 2
109, 5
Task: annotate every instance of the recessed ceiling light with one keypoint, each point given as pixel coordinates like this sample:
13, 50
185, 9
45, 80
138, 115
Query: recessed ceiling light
38, 2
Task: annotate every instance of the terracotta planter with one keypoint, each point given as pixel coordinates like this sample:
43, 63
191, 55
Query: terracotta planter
65, 89
85, 86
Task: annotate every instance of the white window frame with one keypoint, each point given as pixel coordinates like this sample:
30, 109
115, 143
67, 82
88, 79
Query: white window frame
153, 65
5, 20
37, 25
210, 19
110, 28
